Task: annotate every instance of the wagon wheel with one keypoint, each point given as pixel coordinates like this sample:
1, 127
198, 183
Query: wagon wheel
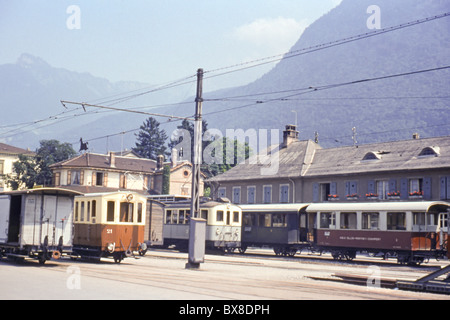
242, 249
118, 257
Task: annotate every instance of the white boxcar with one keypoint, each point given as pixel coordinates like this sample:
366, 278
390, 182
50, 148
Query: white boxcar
36, 223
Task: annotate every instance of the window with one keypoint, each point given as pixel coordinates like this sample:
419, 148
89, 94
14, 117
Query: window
126, 211
382, 189
204, 214
82, 211
251, 192
99, 178
325, 190
236, 216
267, 194
372, 156
168, 216
249, 219
75, 177
122, 181
279, 220
348, 220
419, 219
88, 211
370, 220
236, 195
284, 193
416, 187
139, 212
222, 192
2, 166
327, 220
94, 208
219, 215
444, 188
181, 217
430, 151
396, 221
76, 211
56, 179
110, 211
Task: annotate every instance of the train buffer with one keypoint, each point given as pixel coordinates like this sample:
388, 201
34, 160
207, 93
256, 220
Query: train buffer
436, 282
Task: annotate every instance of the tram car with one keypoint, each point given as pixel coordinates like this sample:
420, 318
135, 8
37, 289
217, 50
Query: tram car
170, 224
109, 225
411, 231
36, 223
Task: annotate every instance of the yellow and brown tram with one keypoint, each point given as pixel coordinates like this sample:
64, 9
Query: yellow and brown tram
109, 225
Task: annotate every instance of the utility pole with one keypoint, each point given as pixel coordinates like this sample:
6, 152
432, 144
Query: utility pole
197, 226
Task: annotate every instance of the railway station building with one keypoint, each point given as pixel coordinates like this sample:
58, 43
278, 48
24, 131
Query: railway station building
8, 155
409, 170
93, 173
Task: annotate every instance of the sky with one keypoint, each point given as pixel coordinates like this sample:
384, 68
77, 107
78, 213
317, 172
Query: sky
154, 42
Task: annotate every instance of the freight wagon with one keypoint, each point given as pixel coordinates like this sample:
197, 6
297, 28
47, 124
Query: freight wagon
36, 223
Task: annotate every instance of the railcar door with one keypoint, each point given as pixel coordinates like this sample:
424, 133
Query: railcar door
14, 219
312, 227
5, 201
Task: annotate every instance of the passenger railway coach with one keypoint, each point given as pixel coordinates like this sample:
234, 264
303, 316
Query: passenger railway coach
170, 224
36, 223
109, 225
410, 231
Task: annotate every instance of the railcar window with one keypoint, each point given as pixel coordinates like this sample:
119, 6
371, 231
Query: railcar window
370, 220
327, 220
182, 217
249, 219
126, 212
82, 211
348, 220
204, 214
110, 211
279, 220
175, 217
419, 218
432, 218
396, 221
168, 216
236, 216
219, 215
139, 212
88, 211
76, 211
94, 208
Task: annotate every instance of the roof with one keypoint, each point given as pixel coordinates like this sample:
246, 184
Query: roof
102, 161
98, 189
7, 149
46, 190
308, 159
387, 156
291, 163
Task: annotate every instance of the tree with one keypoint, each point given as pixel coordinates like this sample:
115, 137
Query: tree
151, 140
188, 127
50, 152
25, 170
30, 171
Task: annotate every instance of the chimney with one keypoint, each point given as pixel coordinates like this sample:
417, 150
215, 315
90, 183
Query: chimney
112, 159
174, 157
416, 136
159, 161
289, 135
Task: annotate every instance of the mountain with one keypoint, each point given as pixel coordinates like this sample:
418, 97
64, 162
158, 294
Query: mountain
384, 110
390, 108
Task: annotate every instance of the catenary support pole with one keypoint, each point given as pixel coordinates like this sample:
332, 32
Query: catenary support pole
196, 225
